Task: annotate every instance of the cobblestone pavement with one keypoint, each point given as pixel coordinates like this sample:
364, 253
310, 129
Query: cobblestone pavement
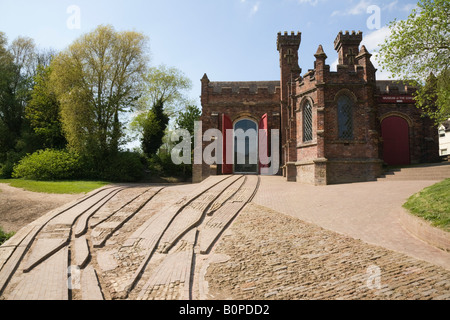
269, 255
207, 241
368, 211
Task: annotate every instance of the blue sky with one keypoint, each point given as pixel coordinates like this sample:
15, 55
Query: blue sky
230, 40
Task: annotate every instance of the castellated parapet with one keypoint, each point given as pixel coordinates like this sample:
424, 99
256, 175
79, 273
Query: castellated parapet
293, 39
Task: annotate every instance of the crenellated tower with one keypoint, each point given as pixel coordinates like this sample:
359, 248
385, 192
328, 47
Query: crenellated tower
288, 46
347, 46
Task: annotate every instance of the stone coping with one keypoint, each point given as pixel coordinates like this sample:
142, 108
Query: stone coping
423, 230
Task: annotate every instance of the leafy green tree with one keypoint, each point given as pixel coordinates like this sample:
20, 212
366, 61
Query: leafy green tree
154, 129
187, 118
43, 112
163, 87
15, 90
9, 124
165, 84
419, 47
97, 80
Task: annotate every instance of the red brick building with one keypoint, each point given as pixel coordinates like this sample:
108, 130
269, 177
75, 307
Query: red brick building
335, 127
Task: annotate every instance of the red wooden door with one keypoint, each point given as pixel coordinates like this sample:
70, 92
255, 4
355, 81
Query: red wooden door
395, 132
227, 124
263, 142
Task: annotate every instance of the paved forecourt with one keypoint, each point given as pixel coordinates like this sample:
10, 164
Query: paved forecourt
230, 237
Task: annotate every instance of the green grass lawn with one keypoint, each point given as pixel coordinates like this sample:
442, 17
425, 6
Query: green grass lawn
432, 204
58, 187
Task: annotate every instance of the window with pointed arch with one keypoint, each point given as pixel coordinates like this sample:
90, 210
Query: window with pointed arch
345, 117
307, 122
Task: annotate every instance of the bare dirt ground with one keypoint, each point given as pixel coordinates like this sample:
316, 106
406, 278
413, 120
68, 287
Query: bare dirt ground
18, 207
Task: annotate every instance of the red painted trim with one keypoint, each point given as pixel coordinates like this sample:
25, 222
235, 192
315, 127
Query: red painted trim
227, 124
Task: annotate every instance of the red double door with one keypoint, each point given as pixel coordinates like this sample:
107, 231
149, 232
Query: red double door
228, 159
395, 132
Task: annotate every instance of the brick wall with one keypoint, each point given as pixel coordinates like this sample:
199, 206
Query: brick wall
326, 159
237, 100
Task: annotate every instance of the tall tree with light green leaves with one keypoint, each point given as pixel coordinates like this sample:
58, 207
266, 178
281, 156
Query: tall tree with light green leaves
418, 50
16, 83
98, 81
43, 112
164, 87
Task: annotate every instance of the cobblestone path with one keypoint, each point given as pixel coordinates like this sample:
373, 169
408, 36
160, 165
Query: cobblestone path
207, 241
269, 255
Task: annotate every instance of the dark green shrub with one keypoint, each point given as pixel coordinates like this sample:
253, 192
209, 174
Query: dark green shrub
7, 167
49, 165
124, 167
163, 166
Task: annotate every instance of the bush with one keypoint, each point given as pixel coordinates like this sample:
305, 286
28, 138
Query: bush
124, 167
162, 165
7, 167
49, 165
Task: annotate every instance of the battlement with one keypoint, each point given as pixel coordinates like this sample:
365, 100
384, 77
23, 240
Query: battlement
286, 39
394, 87
250, 87
353, 38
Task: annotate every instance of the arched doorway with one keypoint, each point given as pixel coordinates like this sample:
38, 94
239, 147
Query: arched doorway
395, 133
246, 147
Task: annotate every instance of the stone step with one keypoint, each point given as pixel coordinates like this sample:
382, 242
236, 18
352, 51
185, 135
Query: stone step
431, 172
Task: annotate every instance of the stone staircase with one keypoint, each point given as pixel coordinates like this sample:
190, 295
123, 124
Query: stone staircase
432, 172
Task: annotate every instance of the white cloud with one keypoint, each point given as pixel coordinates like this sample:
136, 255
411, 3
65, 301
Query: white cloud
373, 42
409, 7
360, 8
333, 66
311, 2
252, 5
255, 8
391, 6
395, 6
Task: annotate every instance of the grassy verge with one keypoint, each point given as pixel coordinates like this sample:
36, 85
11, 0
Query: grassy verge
55, 187
4, 236
432, 204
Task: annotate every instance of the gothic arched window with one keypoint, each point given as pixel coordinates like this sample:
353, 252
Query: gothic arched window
307, 123
345, 118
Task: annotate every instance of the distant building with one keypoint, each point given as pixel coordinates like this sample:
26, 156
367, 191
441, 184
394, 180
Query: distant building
444, 138
335, 127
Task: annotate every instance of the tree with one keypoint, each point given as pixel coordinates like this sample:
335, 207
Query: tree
166, 85
10, 108
419, 47
187, 118
154, 128
97, 80
43, 112
163, 86
25, 56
